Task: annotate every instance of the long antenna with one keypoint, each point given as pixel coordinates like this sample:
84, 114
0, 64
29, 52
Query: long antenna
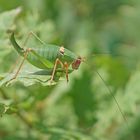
110, 92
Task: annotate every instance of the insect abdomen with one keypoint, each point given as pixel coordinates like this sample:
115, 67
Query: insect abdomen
50, 53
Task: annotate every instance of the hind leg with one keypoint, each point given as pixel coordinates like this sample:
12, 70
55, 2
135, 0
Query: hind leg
20, 66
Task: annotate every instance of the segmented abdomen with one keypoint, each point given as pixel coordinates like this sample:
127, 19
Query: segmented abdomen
50, 53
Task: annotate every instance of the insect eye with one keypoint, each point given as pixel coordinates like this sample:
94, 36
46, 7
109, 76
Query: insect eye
62, 50
76, 64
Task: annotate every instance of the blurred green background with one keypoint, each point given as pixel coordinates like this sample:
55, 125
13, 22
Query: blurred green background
106, 33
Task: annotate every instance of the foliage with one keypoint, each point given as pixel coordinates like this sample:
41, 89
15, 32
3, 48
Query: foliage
106, 34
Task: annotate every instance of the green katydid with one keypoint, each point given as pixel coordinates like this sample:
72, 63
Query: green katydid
48, 57
53, 59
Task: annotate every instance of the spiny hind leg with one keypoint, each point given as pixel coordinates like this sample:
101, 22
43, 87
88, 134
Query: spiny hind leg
31, 33
20, 66
14, 65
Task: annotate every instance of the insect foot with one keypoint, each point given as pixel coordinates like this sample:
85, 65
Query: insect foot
10, 81
51, 82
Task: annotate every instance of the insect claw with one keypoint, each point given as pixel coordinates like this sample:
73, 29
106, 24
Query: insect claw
51, 82
10, 81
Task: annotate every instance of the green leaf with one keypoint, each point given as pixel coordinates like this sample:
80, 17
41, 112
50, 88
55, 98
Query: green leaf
28, 78
7, 18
